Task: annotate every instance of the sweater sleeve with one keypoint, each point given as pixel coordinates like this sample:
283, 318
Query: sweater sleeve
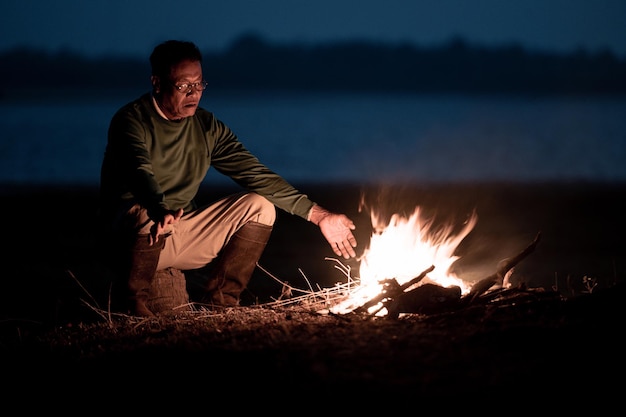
231, 158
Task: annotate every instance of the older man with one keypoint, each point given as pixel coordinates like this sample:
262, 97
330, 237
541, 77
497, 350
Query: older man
159, 150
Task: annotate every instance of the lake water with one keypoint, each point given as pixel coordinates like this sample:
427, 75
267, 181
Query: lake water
348, 137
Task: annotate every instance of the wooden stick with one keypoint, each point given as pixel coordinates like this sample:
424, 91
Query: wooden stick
503, 268
393, 292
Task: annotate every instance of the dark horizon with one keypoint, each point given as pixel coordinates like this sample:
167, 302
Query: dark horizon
252, 63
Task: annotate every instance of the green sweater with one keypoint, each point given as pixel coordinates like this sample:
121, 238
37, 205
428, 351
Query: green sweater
161, 163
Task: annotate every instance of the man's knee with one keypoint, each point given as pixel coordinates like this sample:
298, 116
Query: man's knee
261, 210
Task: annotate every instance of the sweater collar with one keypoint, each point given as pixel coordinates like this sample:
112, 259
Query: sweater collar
158, 109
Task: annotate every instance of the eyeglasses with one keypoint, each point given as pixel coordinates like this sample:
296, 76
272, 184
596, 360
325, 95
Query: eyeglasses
187, 88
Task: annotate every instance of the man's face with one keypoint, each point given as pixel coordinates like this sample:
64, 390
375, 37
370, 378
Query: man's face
179, 103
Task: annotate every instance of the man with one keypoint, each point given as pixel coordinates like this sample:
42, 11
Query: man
160, 147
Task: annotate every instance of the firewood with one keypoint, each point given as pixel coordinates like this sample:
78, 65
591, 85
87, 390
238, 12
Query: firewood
392, 289
392, 292
425, 299
504, 266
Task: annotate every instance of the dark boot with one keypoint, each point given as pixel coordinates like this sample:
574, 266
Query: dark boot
233, 268
143, 263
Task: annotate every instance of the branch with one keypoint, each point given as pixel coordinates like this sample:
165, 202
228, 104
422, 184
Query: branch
391, 291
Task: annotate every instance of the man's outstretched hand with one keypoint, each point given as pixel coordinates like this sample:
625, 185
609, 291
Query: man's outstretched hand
337, 229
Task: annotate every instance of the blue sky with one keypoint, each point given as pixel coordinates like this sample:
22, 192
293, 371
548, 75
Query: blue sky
133, 27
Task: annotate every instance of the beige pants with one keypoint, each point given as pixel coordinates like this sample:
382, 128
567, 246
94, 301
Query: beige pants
200, 234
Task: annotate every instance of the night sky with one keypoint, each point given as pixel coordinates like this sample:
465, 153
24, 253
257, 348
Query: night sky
122, 27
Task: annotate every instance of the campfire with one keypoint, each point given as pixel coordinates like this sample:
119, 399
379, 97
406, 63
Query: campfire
402, 250
407, 268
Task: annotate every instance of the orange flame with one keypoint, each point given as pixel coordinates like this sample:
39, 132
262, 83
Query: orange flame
403, 249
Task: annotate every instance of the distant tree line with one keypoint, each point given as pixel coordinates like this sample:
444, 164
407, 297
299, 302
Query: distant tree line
251, 63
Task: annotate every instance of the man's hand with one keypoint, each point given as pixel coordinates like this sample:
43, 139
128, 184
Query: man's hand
170, 217
337, 229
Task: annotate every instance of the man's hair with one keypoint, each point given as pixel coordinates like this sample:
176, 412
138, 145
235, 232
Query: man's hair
172, 52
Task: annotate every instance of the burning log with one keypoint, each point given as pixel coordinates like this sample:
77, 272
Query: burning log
391, 289
431, 298
425, 299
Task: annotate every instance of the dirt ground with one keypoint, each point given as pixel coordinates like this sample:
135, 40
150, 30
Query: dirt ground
541, 346
556, 341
